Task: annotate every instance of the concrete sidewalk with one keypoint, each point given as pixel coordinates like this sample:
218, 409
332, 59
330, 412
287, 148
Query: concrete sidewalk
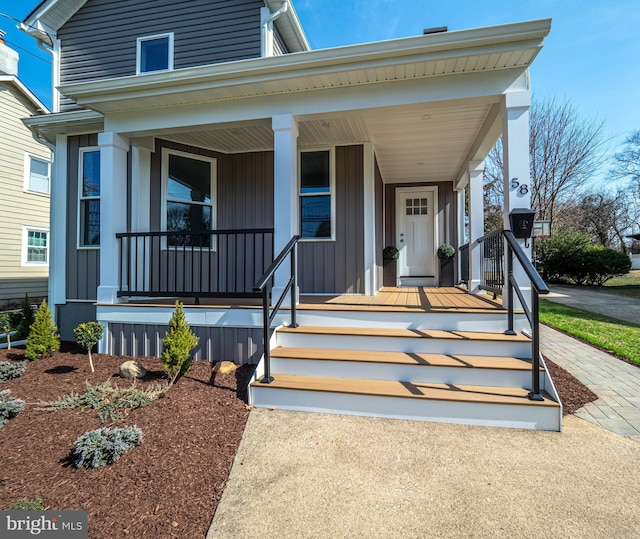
326, 476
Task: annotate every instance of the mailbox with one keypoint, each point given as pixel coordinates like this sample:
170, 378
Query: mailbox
521, 220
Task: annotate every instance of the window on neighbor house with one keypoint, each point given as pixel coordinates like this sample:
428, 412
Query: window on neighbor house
89, 190
154, 53
190, 197
35, 246
316, 208
37, 174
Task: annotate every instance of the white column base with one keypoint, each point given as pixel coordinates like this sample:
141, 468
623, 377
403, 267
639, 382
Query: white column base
108, 295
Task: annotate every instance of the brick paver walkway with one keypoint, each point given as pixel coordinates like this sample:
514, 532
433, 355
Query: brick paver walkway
616, 382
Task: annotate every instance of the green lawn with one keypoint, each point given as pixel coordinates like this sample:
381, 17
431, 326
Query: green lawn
622, 338
627, 285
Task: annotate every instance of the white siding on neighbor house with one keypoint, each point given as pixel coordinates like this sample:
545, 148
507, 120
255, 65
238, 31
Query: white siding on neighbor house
18, 208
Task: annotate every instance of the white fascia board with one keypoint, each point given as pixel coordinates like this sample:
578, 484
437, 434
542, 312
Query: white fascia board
12, 79
370, 55
45, 20
290, 20
76, 122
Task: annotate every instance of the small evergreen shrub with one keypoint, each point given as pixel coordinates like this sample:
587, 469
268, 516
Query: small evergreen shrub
9, 407
104, 446
390, 252
43, 337
445, 251
87, 335
110, 402
26, 318
27, 505
177, 345
10, 370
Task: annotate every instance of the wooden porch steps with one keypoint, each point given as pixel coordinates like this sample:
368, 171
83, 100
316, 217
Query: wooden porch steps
408, 390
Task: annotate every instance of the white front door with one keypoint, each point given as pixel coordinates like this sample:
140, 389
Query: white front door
415, 225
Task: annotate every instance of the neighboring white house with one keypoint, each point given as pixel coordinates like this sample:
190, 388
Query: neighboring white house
25, 178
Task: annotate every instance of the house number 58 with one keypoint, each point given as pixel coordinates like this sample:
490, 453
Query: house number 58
522, 188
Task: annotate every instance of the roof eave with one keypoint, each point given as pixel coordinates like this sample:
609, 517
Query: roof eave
38, 105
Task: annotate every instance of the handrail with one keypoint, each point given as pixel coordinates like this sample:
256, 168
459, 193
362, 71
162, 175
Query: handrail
538, 286
262, 285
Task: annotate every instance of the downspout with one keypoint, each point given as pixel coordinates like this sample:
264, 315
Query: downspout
267, 28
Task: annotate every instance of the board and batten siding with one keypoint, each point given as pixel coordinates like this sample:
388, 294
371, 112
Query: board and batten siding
83, 265
18, 208
99, 41
239, 345
328, 267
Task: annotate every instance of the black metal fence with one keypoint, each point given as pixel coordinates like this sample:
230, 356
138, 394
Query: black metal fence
464, 263
492, 263
212, 263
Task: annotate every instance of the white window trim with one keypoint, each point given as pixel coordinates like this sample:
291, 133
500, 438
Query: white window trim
332, 190
27, 173
25, 246
79, 244
166, 152
150, 38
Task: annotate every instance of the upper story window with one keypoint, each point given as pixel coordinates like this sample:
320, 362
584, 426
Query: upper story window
154, 53
190, 199
316, 200
89, 198
37, 176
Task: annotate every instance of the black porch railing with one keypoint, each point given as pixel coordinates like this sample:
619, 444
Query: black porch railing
212, 263
263, 287
493, 279
464, 263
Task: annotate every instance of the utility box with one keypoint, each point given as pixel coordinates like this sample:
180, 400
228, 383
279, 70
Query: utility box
521, 220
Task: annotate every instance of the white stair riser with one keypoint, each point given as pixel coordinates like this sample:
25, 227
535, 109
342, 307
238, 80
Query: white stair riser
497, 415
408, 320
404, 373
409, 344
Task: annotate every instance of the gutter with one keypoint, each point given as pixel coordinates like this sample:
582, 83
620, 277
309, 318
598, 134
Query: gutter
267, 30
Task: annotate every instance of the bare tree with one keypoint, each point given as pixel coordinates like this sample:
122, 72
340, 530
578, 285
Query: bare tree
565, 151
627, 161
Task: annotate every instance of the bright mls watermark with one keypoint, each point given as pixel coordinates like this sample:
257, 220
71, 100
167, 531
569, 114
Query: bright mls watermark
49, 524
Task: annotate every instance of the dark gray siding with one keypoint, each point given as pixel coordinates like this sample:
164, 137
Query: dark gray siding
240, 345
99, 41
71, 314
83, 265
327, 267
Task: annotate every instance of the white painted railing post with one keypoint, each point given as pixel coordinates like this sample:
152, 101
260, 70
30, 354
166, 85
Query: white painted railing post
476, 225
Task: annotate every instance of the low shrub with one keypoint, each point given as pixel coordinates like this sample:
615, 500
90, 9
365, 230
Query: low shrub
177, 345
87, 335
43, 337
445, 251
110, 402
10, 370
9, 407
27, 505
104, 446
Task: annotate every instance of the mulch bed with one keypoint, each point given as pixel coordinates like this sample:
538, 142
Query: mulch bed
167, 487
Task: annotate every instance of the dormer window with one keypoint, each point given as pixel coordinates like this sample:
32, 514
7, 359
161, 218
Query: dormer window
154, 53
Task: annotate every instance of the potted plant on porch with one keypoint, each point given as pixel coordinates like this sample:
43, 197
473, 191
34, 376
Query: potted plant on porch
445, 253
390, 254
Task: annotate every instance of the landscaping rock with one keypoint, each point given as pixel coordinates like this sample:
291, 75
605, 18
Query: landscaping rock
224, 367
132, 369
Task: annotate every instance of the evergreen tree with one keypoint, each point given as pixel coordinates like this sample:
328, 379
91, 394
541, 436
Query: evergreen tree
177, 345
43, 337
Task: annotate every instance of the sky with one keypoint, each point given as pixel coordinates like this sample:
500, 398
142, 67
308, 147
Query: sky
591, 58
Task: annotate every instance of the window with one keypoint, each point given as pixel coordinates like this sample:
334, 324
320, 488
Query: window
190, 197
37, 174
154, 53
35, 246
316, 205
89, 190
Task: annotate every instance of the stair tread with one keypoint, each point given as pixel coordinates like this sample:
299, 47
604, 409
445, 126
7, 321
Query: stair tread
407, 333
403, 358
416, 390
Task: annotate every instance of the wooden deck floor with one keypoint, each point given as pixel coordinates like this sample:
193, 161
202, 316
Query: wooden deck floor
404, 299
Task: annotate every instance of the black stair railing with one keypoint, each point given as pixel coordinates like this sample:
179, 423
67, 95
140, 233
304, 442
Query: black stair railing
493, 280
263, 286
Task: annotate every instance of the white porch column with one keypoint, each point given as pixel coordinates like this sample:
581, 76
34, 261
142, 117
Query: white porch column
517, 184
285, 191
370, 285
460, 206
113, 210
476, 224
58, 227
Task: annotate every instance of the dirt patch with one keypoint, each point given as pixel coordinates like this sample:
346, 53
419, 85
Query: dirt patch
573, 393
168, 487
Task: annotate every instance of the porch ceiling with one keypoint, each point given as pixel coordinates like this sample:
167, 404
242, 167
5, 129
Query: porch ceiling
412, 143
